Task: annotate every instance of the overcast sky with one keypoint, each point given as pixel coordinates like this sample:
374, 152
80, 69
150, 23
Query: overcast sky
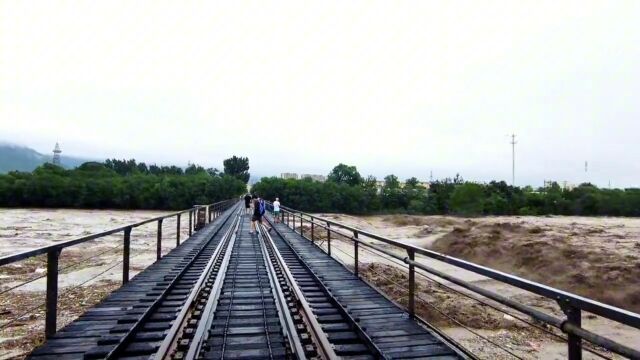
404, 87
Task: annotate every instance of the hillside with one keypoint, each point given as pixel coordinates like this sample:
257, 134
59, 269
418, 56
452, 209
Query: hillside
22, 158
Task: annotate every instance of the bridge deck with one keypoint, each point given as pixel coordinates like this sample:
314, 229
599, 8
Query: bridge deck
96, 332
135, 321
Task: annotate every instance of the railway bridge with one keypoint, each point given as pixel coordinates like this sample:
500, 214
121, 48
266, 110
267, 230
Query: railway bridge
284, 293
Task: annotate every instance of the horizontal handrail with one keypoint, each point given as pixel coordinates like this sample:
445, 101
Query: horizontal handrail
571, 304
614, 313
53, 252
8, 259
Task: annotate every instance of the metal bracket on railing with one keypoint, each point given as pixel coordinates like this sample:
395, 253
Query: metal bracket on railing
574, 317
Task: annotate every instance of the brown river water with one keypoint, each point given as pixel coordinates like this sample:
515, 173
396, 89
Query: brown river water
577, 254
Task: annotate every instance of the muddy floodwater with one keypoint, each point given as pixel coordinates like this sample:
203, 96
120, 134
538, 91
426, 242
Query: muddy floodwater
593, 257
88, 271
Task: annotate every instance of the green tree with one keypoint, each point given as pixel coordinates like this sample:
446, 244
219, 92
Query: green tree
467, 199
237, 167
345, 174
412, 183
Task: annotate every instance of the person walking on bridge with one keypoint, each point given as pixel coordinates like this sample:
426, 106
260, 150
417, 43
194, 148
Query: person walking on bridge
259, 208
247, 204
276, 210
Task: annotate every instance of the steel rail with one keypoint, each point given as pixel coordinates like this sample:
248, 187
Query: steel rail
212, 302
169, 341
124, 341
595, 307
283, 310
356, 326
323, 345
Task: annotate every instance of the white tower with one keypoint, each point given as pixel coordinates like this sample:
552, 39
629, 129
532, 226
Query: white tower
56, 155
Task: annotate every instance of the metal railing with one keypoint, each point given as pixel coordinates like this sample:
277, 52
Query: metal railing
53, 253
571, 305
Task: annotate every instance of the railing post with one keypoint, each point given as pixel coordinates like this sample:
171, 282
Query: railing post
574, 342
159, 242
312, 225
52, 293
328, 238
190, 221
209, 212
412, 284
355, 252
281, 216
178, 231
301, 229
125, 255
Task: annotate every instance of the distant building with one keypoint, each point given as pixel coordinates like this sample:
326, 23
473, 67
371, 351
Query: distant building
314, 177
289, 176
564, 185
424, 184
56, 155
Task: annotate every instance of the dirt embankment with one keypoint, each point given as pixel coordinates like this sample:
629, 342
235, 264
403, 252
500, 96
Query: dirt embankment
579, 259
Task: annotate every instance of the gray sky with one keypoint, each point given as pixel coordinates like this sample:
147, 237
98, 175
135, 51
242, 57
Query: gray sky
392, 87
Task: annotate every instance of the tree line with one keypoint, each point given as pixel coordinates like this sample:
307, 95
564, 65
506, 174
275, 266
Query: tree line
347, 191
123, 184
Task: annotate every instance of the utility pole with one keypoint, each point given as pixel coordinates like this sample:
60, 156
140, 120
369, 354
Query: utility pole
586, 169
513, 159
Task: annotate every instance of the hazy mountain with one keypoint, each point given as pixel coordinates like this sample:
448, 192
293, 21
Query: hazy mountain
22, 158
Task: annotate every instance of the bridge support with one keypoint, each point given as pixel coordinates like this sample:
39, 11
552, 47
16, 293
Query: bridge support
190, 221
412, 284
355, 253
301, 228
125, 255
159, 242
328, 238
574, 342
52, 293
178, 231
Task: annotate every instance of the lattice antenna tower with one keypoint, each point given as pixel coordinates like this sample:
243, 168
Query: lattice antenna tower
56, 155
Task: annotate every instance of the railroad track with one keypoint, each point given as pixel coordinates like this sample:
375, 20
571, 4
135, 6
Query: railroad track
244, 306
257, 303
235, 295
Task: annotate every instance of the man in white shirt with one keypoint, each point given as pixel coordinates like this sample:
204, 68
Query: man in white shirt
276, 210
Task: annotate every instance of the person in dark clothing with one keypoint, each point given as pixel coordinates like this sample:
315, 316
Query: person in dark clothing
247, 203
259, 208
